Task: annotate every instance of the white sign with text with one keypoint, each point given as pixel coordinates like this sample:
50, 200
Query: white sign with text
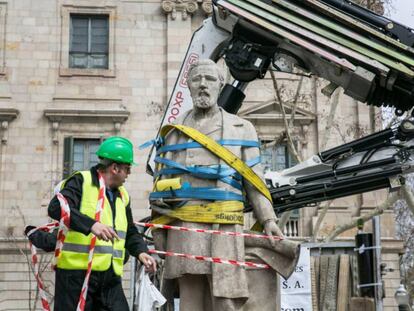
296, 291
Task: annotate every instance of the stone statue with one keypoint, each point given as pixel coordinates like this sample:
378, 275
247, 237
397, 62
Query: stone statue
202, 285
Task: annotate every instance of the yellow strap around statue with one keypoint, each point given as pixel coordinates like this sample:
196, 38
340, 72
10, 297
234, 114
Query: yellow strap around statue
224, 154
220, 212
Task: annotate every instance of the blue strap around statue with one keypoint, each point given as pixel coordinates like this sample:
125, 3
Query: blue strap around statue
223, 142
221, 172
202, 174
202, 193
197, 171
156, 142
218, 171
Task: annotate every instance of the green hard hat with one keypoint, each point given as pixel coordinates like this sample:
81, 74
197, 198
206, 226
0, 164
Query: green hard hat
118, 149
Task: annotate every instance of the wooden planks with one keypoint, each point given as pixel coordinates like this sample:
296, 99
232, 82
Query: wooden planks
343, 284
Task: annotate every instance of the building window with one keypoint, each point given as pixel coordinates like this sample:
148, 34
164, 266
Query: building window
79, 154
89, 41
276, 158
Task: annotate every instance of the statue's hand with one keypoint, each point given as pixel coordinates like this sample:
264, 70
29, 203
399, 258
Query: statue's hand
271, 228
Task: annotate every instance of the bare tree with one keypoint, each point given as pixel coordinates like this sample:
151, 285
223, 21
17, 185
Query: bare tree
287, 132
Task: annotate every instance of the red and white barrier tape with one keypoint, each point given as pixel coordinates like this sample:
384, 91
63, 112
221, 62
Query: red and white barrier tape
35, 264
42, 293
230, 233
63, 225
99, 208
213, 259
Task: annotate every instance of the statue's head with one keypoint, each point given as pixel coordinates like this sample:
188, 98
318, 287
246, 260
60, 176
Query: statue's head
205, 81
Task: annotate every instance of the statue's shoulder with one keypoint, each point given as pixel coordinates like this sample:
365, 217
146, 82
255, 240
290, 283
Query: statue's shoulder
239, 127
181, 119
237, 121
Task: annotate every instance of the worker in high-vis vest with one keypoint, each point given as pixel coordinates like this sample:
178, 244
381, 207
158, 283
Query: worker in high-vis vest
115, 232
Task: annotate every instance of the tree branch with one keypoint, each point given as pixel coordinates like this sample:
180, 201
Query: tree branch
295, 102
285, 217
319, 221
377, 211
282, 108
329, 121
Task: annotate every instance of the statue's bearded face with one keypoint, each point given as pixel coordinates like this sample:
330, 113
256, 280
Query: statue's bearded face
204, 84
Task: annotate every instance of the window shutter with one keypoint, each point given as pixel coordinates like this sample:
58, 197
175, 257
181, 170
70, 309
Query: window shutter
67, 156
79, 34
99, 35
99, 42
79, 37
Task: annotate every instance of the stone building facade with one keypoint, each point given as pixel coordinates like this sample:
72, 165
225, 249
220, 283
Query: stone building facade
73, 72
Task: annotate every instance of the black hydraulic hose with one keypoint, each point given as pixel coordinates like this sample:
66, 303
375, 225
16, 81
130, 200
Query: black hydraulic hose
357, 179
362, 13
361, 144
346, 170
332, 194
368, 155
301, 190
345, 187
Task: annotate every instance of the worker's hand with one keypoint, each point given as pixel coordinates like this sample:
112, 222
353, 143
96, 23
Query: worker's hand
149, 262
271, 228
104, 232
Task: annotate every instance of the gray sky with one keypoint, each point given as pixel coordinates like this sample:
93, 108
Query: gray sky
403, 12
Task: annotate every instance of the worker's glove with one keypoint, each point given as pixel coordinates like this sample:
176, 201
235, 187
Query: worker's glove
28, 229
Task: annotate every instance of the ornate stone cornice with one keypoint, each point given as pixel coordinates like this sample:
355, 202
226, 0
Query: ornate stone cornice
184, 6
6, 116
207, 7
59, 115
56, 116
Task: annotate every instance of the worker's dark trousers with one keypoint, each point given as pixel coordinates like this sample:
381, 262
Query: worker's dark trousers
104, 293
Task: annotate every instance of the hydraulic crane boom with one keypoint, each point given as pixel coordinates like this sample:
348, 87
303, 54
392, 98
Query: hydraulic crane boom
371, 63
370, 56
370, 163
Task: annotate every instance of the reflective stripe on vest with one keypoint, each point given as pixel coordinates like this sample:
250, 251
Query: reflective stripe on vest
74, 255
100, 249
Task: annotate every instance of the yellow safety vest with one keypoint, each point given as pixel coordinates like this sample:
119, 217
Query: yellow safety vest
74, 255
